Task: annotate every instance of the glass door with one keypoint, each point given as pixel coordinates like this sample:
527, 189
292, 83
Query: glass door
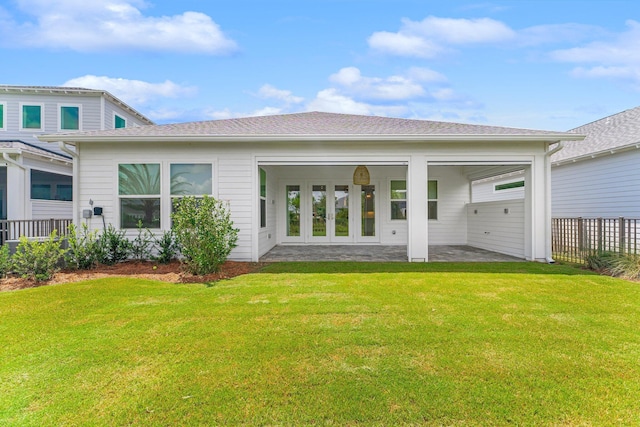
368, 218
330, 218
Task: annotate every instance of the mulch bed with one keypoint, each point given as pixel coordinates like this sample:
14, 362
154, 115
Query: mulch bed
172, 272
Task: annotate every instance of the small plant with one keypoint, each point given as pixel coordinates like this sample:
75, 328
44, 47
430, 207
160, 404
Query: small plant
113, 246
142, 245
601, 261
83, 248
5, 261
167, 247
38, 260
205, 233
627, 266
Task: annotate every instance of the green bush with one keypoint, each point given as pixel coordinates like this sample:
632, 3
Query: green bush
5, 260
142, 245
601, 261
205, 233
113, 246
83, 248
167, 247
38, 260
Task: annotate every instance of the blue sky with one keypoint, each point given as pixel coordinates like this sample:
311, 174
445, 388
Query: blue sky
544, 64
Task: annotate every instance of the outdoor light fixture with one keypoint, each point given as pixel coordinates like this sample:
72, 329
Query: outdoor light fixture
361, 176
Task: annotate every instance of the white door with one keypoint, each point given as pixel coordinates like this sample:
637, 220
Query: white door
367, 229
329, 215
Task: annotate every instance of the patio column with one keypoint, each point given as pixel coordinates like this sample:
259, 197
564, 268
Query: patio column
418, 240
17, 196
537, 222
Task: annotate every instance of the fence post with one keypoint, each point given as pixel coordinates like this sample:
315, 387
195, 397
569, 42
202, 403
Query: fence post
621, 234
580, 233
600, 235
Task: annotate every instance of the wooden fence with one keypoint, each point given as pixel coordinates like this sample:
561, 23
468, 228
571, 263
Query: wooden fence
13, 229
573, 239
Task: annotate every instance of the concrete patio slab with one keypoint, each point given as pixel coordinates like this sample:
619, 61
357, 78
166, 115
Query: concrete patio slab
380, 253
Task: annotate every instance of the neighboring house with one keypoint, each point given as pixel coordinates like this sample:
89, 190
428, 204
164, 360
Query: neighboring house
597, 177
36, 177
295, 180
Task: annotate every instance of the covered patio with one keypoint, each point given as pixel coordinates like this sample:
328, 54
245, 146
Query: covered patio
380, 253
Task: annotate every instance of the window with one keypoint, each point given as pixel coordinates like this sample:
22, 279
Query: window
432, 200
293, 210
50, 186
509, 185
191, 179
69, 117
119, 122
2, 119
399, 199
139, 191
31, 116
263, 198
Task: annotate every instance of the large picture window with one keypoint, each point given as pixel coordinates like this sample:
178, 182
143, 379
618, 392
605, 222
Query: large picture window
69, 117
139, 191
31, 116
50, 186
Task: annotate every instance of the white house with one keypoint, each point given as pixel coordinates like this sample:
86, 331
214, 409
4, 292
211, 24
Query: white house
294, 180
35, 177
597, 177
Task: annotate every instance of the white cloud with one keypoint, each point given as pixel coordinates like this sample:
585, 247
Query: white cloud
134, 92
432, 36
331, 101
112, 25
268, 91
617, 58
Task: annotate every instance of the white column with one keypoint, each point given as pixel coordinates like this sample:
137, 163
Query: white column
418, 240
17, 194
537, 219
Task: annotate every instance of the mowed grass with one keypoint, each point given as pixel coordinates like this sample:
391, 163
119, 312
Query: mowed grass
327, 344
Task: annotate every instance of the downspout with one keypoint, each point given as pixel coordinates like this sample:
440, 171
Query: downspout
8, 159
547, 195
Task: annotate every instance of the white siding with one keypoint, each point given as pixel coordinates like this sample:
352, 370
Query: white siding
453, 194
490, 228
47, 209
484, 190
607, 186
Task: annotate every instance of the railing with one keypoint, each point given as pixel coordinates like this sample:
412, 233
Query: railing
13, 229
573, 239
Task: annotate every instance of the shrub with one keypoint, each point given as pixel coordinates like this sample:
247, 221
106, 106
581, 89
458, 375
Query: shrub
83, 248
113, 246
167, 247
205, 233
5, 260
142, 245
627, 266
37, 260
601, 261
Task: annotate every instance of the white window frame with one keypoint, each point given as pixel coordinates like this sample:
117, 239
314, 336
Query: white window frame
42, 116
391, 200
437, 200
509, 190
138, 196
59, 118
4, 116
263, 198
123, 118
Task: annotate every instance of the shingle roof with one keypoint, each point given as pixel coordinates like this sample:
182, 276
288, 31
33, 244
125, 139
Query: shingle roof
313, 124
609, 133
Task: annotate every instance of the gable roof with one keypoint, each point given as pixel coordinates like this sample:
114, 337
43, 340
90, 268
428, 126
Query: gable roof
60, 90
610, 134
315, 126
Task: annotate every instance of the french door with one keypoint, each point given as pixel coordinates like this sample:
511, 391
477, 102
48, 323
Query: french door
330, 217
330, 212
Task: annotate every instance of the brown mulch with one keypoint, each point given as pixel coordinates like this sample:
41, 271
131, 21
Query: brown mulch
172, 272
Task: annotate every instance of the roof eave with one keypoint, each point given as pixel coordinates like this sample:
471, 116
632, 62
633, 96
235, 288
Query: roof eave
551, 138
595, 154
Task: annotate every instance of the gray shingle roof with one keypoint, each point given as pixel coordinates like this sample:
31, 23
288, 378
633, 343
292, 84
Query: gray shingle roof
312, 124
609, 133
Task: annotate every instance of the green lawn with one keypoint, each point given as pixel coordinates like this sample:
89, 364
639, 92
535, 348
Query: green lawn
327, 344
